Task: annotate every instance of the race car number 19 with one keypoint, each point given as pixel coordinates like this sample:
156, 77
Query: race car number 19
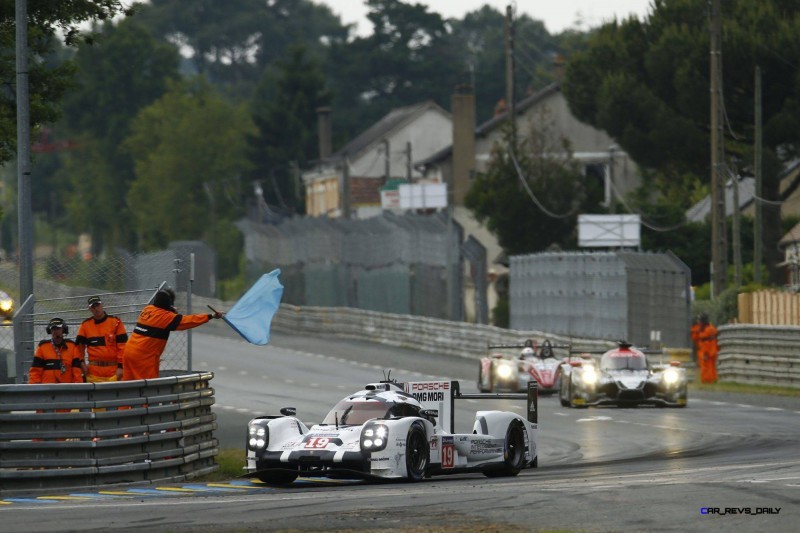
448, 450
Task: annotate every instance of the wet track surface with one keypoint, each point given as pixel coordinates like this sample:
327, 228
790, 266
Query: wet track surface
600, 469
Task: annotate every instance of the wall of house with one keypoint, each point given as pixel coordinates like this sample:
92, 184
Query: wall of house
589, 144
428, 133
322, 195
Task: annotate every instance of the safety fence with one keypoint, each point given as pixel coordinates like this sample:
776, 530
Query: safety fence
94, 434
419, 333
759, 355
777, 308
124, 281
408, 264
613, 295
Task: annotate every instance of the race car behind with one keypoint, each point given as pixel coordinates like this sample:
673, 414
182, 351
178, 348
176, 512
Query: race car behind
509, 367
623, 377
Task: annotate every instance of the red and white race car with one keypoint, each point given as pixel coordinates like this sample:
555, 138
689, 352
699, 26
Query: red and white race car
509, 367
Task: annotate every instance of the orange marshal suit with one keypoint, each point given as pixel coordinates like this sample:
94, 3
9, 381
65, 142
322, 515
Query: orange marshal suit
142, 355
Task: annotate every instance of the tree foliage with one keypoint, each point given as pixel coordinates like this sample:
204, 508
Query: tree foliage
124, 71
533, 204
46, 81
285, 116
188, 149
647, 84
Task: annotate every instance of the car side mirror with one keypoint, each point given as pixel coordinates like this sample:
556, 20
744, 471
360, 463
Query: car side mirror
288, 411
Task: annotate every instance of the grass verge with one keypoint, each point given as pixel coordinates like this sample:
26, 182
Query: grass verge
728, 386
231, 463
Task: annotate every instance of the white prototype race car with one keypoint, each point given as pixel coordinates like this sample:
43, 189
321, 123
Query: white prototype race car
509, 367
393, 430
623, 377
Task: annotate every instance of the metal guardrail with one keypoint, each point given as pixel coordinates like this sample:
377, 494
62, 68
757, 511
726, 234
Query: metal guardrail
433, 335
759, 355
94, 434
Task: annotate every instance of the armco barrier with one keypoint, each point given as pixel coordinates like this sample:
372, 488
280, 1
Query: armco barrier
432, 335
760, 355
94, 434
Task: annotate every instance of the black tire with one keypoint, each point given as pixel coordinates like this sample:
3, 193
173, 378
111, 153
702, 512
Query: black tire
480, 379
276, 477
561, 390
417, 453
514, 453
571, 397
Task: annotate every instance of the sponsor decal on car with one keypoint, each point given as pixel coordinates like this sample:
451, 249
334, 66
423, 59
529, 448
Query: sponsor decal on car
448, 452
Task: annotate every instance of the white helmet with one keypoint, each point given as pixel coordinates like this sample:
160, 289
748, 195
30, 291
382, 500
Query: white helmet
526, 353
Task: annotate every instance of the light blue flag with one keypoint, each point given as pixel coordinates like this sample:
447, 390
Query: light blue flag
252, 315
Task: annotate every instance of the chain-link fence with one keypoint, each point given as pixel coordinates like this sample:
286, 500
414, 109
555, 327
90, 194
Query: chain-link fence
605, 295
125, 282
407, 264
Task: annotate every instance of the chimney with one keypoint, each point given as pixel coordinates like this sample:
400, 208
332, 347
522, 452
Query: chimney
324, 131
463, 108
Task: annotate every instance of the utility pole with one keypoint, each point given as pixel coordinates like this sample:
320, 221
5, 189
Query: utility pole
757, 231
510, 67
409, 162
719, 241
737, 236
345, 199
24, 209
386, 161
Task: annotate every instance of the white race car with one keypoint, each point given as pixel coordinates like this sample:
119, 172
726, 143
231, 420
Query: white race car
393, 430
622, 378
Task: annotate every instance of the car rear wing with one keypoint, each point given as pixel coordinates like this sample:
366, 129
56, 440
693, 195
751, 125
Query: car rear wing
442, 396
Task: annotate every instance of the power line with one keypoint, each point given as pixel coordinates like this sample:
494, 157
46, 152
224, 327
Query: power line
533, 196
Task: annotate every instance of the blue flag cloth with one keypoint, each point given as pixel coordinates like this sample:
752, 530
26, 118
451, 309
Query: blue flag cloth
252, 315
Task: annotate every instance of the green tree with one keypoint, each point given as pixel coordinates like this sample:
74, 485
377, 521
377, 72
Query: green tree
284, 113
188, 148
47, 81
647, 84
231, 42
532, 204
124, 71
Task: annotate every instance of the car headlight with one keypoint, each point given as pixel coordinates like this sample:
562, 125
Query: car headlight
6, 305
671, 376
504, 371
374, 437
257, 437
589, 376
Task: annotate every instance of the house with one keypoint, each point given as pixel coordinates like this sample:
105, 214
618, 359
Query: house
348, 183
470, 153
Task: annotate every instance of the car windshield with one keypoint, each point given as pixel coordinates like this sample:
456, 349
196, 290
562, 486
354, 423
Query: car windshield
623, 362
356, 412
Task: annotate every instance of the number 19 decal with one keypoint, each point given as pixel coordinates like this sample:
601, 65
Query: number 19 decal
448, 450
317, 442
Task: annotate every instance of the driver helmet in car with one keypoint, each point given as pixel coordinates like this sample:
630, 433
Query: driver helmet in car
527, 353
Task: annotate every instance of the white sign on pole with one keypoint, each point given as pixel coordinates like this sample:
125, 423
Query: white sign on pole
609, 231
390, 199
423, 195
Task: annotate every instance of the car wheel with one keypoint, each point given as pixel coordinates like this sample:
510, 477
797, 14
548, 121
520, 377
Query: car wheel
514, 453
572, 396
561, 391
480, 379
416, 453
277, 477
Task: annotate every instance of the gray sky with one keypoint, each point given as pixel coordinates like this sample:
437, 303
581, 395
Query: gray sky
557, 15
